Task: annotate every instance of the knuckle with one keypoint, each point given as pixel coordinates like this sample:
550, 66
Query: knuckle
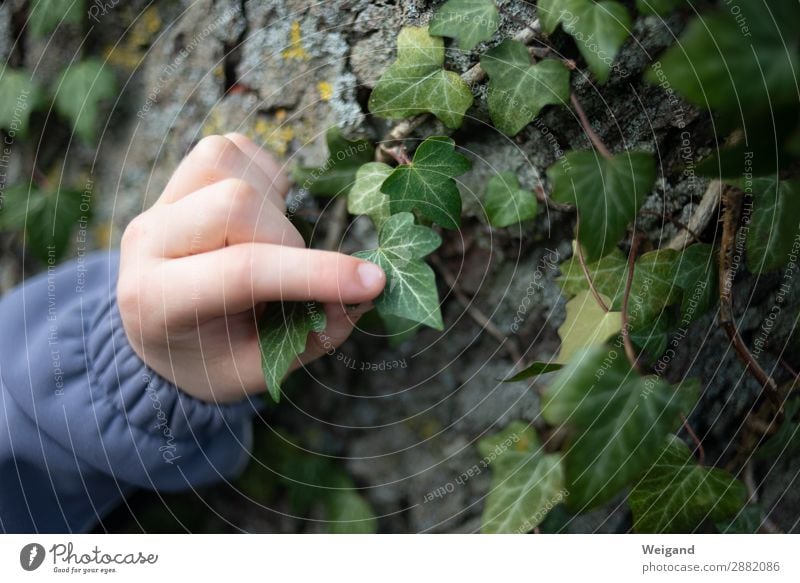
238, 196
215, 152
135, 232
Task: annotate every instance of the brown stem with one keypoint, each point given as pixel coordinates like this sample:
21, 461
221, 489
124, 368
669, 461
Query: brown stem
630, 352
732, 200
698, 445
587, 127
471, 76
672, 220
582, 261
542, 197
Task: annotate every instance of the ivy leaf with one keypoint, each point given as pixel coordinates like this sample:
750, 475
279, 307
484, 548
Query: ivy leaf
786, 440
607, 192
410, 290
599, 29
518, 90
82, 87
653, 287
48, 218
608, 275
534, 370
338, 172
719, 57
677, 495
774, 223
416, 82
469, 21
508, 204
549, 12
586, 324
283, 331
366, 198
347, 511
427, 185
747, 521
658, 7
19, 95
695, 272
651, 337
619, 420
526, 482
46, 15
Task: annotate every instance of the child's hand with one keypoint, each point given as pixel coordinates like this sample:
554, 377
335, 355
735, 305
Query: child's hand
214, 246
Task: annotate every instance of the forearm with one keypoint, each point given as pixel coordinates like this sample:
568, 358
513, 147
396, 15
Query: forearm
83, 420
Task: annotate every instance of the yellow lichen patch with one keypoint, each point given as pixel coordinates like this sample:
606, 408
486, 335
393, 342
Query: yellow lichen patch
127, 53
325, 90
214, 124
273, 135
123, 55
295, 51
219, 72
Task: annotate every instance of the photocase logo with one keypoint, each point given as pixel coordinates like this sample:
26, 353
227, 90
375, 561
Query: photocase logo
31, 556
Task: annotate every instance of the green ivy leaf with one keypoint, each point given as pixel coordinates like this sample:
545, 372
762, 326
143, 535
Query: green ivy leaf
282, 332
651, 337
427, 185
607, 193
416, 82
677, 495
526, 482
48, 218
347, 511
534, 370
747, 521
619, 420
599, 29
338, 172
80, 90
549, 12
366, 198
658, 7
653, 287
46, 15
517, 89
786, 440
608, 275
469, 21
410, 290
508, 204
695, 272
745, 64
774, 224
19, 96
586, 324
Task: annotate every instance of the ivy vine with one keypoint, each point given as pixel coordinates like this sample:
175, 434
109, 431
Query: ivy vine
614, 416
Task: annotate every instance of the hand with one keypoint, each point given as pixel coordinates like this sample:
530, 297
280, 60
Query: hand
197, 268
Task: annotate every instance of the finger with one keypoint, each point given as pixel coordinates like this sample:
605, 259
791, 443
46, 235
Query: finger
225, 213
214, 159
233, 279
267, 163
340, 323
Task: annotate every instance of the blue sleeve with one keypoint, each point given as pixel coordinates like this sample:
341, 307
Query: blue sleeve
83, 421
